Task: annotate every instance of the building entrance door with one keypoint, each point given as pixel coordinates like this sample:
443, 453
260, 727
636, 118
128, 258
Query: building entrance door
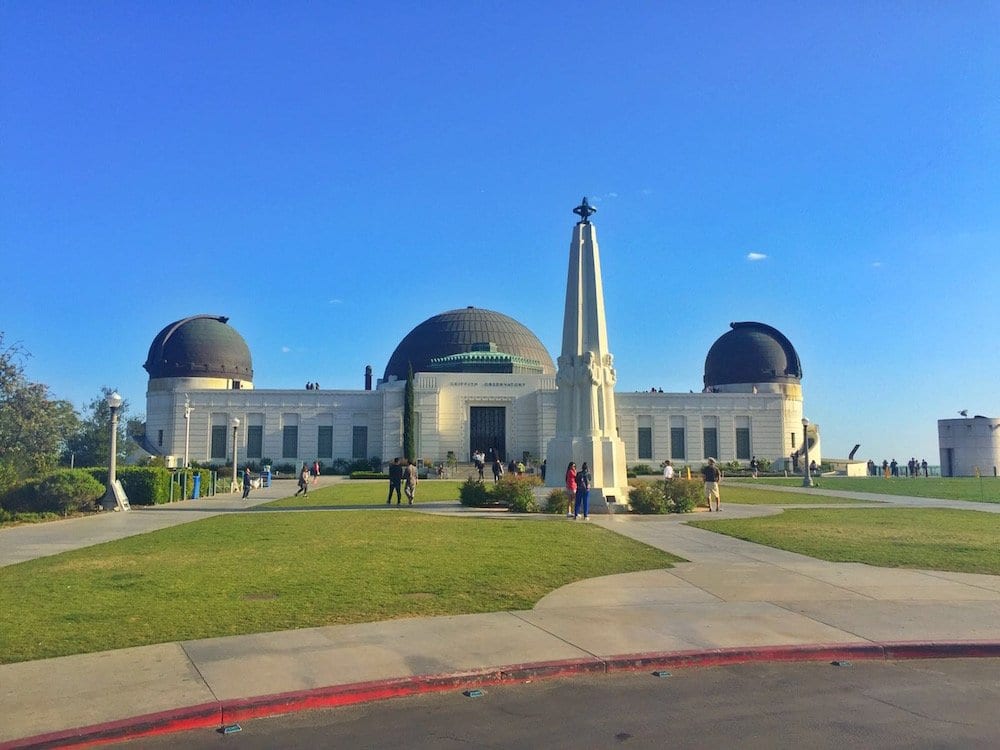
488, 430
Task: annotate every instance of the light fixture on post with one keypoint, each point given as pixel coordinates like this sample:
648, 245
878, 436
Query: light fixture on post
236, 426
807, 480
187, 429
114, 498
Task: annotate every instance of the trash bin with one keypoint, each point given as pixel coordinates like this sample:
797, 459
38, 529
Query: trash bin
265, 477
196, 487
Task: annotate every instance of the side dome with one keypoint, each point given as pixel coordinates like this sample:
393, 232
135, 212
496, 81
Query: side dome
467, 330
199, 346
752, 353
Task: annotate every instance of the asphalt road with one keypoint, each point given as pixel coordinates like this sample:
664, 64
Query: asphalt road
943, 703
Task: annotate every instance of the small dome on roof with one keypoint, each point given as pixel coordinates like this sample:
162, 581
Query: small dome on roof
752, 353
466, 330
199, 346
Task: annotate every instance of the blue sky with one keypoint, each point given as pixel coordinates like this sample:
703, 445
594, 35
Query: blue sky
329, 175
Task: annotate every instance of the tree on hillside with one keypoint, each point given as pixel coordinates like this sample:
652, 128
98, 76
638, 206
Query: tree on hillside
90, 445
33, 426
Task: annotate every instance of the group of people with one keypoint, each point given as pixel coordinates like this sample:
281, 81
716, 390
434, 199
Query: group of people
578, 486
402, 476
913, 468
312, 386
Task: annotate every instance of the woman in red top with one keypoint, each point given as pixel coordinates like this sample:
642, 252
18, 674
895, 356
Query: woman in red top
570, 487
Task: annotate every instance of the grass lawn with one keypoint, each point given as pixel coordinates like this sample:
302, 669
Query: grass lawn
258, 572
986, 489
744, 494
927, 538
367, 492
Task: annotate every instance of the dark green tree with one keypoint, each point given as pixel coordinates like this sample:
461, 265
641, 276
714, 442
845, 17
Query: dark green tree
33, 426
409, 419
91, 444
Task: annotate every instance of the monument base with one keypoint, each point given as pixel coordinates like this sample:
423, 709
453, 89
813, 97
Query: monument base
605, 457
608, 500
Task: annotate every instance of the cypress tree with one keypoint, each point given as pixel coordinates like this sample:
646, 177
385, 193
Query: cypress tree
409, 419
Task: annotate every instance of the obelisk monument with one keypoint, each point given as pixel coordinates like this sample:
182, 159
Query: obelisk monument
585, 380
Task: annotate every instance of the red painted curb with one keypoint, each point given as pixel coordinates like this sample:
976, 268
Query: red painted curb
215, 715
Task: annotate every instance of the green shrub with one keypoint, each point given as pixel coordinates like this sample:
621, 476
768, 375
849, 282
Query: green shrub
22, 497
764, 465
517, 493
557, 501
642, 470
647, 498
682, 495
368, 475
144, 485
68, 491
732, 467
474, 494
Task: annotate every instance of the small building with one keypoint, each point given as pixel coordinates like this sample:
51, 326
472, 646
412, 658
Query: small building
969, 446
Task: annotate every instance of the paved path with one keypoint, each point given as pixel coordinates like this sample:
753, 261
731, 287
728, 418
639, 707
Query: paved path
731, 595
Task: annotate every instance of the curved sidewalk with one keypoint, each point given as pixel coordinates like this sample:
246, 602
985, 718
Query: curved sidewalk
733, 602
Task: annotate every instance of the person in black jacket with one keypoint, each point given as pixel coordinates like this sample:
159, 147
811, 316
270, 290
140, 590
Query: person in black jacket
395, 481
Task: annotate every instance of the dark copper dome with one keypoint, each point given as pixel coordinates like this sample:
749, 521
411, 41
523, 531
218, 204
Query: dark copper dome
199, 346
456, 331
752, 353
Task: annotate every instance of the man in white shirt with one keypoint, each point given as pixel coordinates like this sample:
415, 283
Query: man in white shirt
668, 470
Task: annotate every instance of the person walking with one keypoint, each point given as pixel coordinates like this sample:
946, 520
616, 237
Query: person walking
497, 468
582, 493
410, 474
246, 482
303, 480
314, 472
712, 479
570, 488
395, 480
754, 466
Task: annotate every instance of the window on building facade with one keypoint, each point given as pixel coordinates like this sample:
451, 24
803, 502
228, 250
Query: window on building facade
218, 441
677, 446
324, 442
793, 438
255, 441
159, 437
645, 442
710, 439
743, 443
359, 447
290, 441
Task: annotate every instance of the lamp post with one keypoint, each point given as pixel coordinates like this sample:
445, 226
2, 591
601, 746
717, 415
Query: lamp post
807, 480
114, 498
236, 426
187, 429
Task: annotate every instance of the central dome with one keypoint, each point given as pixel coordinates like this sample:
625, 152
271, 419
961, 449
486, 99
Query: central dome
458, 332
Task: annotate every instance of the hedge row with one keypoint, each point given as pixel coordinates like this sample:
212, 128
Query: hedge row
73, 490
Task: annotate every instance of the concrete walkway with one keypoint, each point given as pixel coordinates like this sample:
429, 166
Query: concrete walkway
733, 601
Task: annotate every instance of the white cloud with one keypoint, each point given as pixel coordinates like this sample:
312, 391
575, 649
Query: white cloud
877, 264
612, 195
286, 349
336, 301
754, 257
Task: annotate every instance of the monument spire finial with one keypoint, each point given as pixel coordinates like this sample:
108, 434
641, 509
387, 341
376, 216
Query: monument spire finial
584, 210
